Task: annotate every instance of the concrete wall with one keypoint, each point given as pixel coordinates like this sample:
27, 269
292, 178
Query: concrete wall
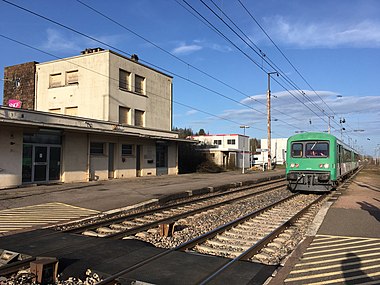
155, 102
74, 157
11, 156
97, 94
90, 95
278, 149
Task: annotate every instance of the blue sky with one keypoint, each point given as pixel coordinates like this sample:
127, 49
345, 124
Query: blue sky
331, 68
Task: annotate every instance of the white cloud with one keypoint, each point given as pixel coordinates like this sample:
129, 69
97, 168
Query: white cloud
56, 41
197, 45
325, 34
191, 112
186, 49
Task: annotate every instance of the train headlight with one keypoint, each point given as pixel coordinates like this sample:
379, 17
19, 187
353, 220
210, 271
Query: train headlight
297, 165
326, 165
292, 165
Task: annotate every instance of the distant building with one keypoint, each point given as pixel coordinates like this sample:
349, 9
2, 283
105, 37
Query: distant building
278, 151
99, 115
227, 150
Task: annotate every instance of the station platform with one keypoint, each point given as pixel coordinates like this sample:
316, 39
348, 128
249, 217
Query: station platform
113, 194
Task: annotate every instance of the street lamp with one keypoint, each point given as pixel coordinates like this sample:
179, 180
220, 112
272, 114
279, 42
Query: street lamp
268, 119
244, 127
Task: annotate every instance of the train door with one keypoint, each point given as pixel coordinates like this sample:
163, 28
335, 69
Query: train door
339, 159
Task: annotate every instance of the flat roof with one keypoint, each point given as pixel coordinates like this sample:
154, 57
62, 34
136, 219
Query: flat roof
22, 117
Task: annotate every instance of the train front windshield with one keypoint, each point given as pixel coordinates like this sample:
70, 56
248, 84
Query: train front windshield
310, 149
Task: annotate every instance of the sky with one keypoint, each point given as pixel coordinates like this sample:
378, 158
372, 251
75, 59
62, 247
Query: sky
322, 58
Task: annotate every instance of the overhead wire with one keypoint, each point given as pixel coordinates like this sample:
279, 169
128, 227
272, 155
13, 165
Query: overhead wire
273, 66
117, 80
282, 53
184, 62
123, 52
250, 58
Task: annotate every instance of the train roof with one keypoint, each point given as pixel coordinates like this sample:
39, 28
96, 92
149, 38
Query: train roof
312, 136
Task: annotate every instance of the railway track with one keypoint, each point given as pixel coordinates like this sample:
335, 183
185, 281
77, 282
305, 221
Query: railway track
234, 239
120, 225
126, 226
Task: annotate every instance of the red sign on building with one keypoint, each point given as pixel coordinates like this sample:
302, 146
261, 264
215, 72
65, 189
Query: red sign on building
14, 103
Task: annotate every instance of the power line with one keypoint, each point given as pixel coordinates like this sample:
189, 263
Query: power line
287, 59
123, 52
260, 53
250, 58
184, 62
117, 80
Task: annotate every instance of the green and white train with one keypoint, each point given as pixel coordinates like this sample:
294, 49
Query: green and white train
318, 162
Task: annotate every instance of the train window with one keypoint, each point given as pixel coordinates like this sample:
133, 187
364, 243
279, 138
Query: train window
297, 149
317, 149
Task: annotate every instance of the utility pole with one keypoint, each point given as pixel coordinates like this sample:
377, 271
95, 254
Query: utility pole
329, 128
269, 121
244, 127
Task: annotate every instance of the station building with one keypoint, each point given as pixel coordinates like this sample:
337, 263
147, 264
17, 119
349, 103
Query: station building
95, 116
227, 150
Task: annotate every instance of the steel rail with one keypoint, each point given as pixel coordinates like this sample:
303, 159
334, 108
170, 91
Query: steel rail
147, 226
15, 266
110, 221
193, 242
255, 248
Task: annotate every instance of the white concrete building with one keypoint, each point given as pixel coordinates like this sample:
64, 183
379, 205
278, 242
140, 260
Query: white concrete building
278, 151
227, 150
98, 115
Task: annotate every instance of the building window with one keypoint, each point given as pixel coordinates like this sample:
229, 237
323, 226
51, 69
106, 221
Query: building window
124, 115
124, 80
231, 141
126, 149
55, 110
55, 80
96, 148
217, 142
139, 118
71, 111
72, 77
139, 84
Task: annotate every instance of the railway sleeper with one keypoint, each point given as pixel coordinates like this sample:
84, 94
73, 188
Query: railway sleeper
285, 236
240, 235
118, 227
262, 256
202, 248
218, 244
275, 244
106, 230
93, 234
132, 224
237, 240
144, 220
269, 250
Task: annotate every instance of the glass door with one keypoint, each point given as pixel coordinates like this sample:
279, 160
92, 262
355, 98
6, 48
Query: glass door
40, 163
54, 163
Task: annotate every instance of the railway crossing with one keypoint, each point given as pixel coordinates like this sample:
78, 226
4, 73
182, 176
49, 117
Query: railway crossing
40, 215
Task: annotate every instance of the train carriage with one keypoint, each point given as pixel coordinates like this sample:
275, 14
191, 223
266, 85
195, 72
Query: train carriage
318, 162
